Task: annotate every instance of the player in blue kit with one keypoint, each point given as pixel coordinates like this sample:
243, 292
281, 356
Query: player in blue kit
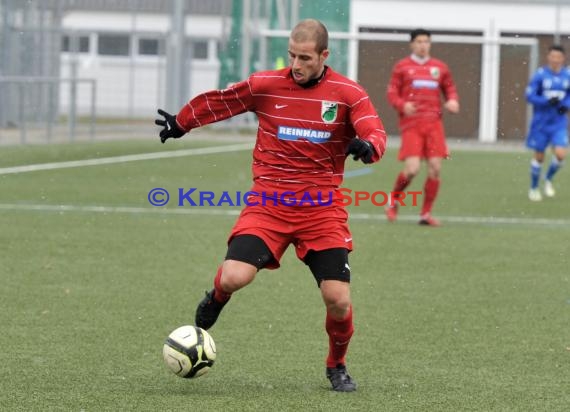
549, 93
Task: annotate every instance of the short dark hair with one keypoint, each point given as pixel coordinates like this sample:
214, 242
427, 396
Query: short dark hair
311, 30
419, 32
556, 47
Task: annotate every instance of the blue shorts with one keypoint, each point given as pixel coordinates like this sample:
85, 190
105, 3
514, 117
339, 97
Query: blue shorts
539, 140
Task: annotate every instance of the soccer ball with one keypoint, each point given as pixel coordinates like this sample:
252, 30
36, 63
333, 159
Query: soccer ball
189, 351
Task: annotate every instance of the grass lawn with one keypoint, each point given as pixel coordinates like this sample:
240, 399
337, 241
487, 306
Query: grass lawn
471, 316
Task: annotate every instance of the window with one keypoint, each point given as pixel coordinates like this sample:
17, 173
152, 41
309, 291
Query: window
200, 49
83, 44
151, 47
114, 45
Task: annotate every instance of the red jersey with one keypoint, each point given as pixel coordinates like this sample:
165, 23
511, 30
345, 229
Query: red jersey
422, 84
303, 132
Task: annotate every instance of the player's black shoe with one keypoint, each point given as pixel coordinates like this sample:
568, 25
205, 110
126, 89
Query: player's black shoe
340, 379
208, 311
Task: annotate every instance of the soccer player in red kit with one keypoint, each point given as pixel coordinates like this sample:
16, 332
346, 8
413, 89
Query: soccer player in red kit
415, 90
309, 119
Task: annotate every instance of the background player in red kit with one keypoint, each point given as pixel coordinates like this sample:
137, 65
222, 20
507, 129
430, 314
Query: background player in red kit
309, 117
415, 90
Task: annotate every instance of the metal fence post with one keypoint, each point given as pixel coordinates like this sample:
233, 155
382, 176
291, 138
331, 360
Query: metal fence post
93, 109
21, 112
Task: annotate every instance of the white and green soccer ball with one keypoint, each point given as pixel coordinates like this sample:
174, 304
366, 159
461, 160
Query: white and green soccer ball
189, 351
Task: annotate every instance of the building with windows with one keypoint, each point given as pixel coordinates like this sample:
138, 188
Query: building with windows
125, 58
125, 51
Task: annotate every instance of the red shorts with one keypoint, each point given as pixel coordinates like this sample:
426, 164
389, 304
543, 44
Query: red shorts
424, 140
307, 228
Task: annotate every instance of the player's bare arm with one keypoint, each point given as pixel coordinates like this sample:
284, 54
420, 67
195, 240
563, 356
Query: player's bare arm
409, 108
452, 106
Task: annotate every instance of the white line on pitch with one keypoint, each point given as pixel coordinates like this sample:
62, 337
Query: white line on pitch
213, 211
498, 220
120, 209
126, 158
358, 172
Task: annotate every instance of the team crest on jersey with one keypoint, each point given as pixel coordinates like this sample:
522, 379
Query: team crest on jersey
434, 71
329, 111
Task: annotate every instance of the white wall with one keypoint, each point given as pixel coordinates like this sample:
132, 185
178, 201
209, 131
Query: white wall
196, 26
461, 16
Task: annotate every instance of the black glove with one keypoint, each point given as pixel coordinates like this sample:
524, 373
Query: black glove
171, 128
361, 149
553, 101
562, 110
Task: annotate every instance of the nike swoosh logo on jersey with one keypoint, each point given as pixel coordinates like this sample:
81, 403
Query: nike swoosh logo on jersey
280, 106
